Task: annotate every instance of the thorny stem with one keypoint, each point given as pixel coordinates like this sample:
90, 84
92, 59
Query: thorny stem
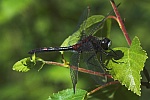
120, 22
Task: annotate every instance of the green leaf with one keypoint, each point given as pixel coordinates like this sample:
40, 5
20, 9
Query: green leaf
127, 69
26, 64
21, 65
75, 37
68, 94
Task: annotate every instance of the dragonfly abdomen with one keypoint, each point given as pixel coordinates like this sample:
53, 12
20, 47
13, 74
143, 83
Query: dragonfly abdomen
49, 49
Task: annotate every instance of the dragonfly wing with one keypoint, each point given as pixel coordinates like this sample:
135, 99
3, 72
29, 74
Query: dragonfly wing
82, 21
79, 30
97, 26
74, 64
92, 63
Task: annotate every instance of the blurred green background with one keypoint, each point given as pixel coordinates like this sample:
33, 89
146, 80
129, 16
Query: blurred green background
29, 24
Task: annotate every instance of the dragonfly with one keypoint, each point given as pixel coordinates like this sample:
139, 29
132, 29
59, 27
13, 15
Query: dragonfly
88, 46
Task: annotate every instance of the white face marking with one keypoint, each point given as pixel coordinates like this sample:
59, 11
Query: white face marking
103, 42
109, 44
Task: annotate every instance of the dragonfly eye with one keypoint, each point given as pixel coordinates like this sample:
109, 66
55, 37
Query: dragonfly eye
105, 43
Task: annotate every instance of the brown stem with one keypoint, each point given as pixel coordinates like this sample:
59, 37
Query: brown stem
113, 17
79, 69
120, 22
92, 72
103, 86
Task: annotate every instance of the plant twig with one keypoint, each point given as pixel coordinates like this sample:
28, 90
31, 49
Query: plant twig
102, 86
120, 22
79, 69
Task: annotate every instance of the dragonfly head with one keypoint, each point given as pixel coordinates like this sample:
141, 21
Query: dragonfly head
105, 43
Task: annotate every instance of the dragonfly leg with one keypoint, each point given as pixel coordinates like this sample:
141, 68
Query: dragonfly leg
93, 64
101, 60
115, 55
89, 60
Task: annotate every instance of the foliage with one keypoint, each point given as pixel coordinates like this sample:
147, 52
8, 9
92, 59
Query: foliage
126, 70
68, 95
29, 24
